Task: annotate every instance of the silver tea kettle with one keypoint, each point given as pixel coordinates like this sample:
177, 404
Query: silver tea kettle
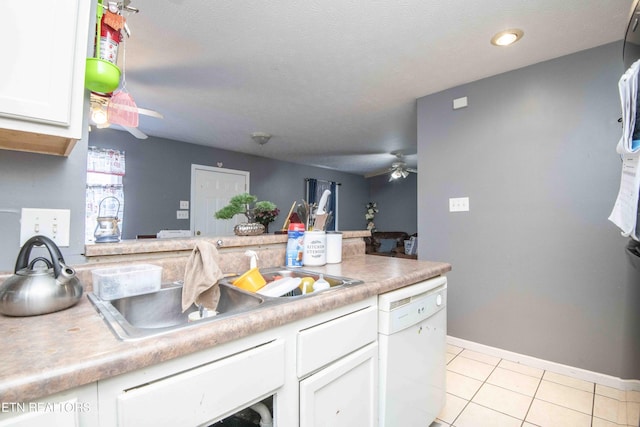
36, 290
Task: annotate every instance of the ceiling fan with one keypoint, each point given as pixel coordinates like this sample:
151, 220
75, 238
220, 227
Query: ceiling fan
398, 169
106, 110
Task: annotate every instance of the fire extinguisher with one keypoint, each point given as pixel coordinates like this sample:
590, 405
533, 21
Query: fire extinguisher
109, 41
111, 22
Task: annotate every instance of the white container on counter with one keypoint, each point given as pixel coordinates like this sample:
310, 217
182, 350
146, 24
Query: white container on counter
334, 247
125, 281
315, 248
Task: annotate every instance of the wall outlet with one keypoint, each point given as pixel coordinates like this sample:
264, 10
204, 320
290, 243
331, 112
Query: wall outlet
184, 204
182, 214
459, 204
51, 223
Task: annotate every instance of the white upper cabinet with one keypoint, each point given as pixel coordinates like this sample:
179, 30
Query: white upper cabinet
42, 76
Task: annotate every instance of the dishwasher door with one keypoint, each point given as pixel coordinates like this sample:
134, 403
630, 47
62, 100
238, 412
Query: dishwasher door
413, 359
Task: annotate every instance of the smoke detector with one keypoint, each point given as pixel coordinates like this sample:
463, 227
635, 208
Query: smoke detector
260, 138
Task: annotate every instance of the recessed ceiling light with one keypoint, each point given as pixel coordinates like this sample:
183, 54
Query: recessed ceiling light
507, 37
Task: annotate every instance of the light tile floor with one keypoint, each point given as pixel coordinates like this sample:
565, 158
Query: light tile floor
483, 390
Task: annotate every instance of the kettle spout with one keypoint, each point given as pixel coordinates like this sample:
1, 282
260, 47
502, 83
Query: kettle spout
66, 273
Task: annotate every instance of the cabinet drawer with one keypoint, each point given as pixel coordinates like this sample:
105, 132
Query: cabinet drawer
205, 393
329, 341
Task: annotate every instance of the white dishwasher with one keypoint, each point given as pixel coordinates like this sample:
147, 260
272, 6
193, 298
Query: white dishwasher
412, 330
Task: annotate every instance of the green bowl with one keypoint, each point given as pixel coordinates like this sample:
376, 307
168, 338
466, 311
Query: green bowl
101, 76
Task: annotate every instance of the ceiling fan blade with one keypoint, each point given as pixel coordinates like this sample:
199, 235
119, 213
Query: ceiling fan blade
136, 132
378, 173
151, 113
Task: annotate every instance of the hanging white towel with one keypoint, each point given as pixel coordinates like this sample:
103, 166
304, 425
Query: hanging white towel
628, 88
625, 209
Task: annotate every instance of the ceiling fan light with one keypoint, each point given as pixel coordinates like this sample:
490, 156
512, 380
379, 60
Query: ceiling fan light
404, 173
396, 174
98, 115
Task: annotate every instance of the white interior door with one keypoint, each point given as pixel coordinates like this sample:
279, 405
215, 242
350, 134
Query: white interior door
211, 190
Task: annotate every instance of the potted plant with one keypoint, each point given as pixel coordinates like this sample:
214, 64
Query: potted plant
266, 213
247, 205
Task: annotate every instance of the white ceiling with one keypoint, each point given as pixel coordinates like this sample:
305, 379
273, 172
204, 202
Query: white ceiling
334, 81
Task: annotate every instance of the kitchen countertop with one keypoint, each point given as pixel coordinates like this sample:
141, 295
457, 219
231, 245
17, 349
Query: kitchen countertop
46, 354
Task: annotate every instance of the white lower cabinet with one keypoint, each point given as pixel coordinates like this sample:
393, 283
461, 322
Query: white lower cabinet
339, 362
196, 395
344, 394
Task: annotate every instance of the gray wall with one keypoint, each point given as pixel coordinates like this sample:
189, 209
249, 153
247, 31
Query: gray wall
29, 180
537, 267
397, 203
158, 176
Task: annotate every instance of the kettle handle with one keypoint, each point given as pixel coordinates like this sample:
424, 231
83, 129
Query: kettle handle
54, 251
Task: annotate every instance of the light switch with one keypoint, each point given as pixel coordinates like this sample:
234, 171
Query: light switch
182, 214
460, 103
51, 223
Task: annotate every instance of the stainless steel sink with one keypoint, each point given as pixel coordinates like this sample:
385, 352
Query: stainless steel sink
155, 313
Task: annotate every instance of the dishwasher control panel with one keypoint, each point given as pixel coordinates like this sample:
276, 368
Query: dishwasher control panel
410, 305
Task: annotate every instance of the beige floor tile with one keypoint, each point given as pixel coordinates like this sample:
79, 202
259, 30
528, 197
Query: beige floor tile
450, 357
525, 424
480, 357
475, 415
599, 422
454, 349
514, 381
569, 381
566, 396
461, 385
520, 368
545, 414
439, 423
611, 392
633, 413
503, 400
452, 408
471, 368
633, 396
610, 409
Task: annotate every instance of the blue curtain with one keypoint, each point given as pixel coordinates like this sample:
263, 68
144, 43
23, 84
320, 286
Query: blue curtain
315, 188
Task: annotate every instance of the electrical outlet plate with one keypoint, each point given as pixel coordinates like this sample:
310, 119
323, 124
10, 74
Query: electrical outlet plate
184, 204
182, 214
52, 223
459, 204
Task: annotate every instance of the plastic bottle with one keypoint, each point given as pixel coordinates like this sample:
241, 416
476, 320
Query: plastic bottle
295, 245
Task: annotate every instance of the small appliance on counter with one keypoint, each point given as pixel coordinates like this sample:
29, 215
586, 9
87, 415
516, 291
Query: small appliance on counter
35, 289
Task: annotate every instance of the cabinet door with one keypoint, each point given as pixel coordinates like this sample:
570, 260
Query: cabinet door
345, 394
39, 47
322, 344
207, 392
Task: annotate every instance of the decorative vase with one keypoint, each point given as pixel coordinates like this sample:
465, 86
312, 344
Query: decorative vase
248, 229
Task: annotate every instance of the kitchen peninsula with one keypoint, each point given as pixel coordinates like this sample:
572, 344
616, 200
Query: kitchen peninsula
74, 349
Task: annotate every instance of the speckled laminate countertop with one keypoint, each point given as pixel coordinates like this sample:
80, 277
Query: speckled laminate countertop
46, 354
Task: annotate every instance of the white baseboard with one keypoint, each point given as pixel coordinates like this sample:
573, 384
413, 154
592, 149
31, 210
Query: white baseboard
582, 374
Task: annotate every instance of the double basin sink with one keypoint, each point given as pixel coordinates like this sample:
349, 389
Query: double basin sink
156, 313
